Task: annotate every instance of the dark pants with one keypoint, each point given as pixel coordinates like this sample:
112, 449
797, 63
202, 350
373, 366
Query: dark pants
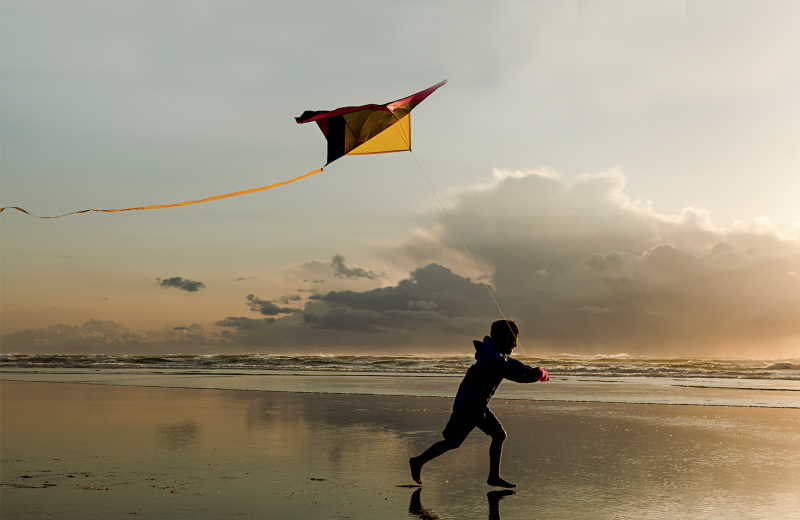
461, 423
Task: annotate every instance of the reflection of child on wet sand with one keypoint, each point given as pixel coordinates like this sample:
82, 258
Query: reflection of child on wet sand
415, 507
470, 409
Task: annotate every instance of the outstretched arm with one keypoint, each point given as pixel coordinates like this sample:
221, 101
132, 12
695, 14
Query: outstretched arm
509, 367
520, 373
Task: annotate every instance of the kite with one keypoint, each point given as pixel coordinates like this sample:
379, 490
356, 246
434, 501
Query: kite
363, 130
360, 130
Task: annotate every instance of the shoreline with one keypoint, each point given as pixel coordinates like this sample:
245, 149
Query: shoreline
532, 400
663, 391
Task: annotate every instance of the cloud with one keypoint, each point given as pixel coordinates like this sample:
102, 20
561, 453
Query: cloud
287, 298
268, 308
431, 295
335, 273
110, 337
342, 271
580, 266
250, 278
99, 336
184, 284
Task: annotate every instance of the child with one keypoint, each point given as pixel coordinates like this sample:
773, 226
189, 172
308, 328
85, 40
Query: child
470, 408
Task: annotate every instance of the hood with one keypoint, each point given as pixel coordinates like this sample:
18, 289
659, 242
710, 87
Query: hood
487, 348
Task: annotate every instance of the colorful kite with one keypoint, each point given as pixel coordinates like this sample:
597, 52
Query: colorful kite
362, 130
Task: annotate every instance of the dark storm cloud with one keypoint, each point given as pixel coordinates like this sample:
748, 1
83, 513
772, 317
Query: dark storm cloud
430, 288
341, 270
268, 308
432, 297
183, 284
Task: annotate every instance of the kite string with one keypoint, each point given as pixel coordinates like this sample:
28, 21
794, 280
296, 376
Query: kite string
480, 276
407, 139
187, 203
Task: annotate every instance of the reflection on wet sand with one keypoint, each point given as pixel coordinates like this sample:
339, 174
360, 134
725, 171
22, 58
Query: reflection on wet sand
494, 498
415, 507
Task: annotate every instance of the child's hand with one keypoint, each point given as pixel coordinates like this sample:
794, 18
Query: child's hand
545, 376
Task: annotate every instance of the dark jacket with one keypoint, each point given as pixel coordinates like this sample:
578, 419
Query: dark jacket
483, 378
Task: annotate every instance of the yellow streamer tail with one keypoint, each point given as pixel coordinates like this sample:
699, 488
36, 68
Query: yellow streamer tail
187, 203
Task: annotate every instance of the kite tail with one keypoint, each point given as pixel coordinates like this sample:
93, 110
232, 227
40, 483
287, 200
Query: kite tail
187, 203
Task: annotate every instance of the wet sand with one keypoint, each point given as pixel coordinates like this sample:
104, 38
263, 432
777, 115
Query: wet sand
92, 451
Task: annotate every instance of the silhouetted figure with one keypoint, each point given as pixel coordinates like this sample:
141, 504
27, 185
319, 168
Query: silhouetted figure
470, 409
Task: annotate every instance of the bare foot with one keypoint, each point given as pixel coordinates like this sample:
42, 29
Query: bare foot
416, 468
500, 482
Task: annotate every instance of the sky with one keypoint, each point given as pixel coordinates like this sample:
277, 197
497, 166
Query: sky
625, 175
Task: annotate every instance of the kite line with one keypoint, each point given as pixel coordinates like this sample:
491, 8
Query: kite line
187, 203
480, 276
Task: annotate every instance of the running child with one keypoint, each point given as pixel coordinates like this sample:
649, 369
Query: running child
470, 409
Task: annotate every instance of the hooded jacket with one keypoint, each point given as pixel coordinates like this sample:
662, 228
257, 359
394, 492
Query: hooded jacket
482, 379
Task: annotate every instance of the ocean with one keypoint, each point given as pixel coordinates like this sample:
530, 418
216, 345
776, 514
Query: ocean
619, 365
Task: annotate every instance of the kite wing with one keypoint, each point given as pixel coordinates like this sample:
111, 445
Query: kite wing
368, 129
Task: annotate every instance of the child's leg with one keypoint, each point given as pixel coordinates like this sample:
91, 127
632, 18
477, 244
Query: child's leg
456, 430
492, 427
431, 453
495, 454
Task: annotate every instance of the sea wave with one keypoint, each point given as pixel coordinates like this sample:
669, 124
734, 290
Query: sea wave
600, 365
784, 366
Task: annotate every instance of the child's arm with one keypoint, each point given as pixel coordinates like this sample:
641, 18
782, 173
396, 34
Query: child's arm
521, 373
512, 369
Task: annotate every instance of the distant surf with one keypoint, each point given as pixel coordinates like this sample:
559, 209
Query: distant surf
601, 365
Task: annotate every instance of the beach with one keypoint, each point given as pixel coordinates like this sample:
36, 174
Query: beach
99, 451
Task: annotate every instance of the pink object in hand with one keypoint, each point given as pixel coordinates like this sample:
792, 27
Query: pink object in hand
545, 376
